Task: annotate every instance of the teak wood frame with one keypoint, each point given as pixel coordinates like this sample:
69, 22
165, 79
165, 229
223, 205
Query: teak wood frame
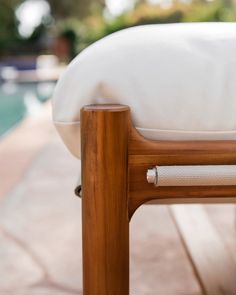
115, 158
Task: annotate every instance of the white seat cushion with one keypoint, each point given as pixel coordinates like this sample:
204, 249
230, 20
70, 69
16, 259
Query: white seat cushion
178, 79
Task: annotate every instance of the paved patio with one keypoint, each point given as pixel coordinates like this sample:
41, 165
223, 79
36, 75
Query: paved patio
40, 224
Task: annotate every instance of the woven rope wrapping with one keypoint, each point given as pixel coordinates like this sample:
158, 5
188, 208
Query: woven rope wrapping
196, 175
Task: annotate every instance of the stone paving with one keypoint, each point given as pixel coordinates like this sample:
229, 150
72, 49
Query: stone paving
40, 236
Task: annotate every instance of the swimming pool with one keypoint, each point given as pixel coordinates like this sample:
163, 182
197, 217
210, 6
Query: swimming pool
17, 100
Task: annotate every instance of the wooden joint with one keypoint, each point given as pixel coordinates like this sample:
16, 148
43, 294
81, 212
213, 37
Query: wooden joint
113, 127
145, 154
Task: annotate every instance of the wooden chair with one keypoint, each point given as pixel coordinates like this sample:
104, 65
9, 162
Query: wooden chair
114, 182
121, 170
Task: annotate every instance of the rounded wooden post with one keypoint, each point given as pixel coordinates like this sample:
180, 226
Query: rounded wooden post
104, 137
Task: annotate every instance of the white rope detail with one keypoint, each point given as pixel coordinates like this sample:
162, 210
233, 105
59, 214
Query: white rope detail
198, 175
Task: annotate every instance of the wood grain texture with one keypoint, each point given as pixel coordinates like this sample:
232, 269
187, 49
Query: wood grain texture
210, 257
115, 158
144, 154
142, 146
105, 200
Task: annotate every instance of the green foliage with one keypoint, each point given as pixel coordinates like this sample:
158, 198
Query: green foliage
73, 8
212, 11
62, 11
197, 11
148, 14
83, 22
8, 29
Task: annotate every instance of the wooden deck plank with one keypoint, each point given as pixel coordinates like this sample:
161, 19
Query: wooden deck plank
211, 258
159, 264
224, 219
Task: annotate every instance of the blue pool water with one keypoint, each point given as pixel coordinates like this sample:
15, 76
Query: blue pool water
20, 100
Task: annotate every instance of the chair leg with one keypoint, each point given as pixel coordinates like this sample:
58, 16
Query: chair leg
104, 135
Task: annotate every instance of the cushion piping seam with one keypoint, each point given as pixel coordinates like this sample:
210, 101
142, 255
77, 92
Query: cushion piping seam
159, 130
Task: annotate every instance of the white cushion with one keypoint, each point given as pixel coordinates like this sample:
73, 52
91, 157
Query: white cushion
178, 79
